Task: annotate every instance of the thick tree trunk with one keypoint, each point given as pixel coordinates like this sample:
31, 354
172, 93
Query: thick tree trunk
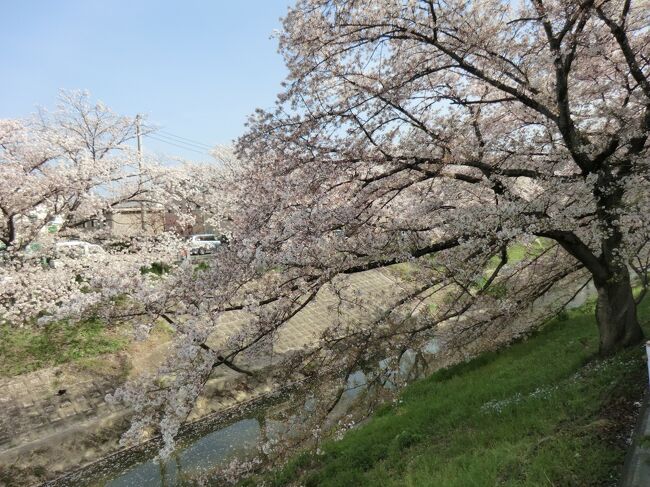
616, 313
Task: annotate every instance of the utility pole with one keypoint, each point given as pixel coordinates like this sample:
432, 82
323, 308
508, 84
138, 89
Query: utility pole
138, 136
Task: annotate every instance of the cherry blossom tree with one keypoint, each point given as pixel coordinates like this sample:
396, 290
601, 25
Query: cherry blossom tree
420, 125
54, 164
432, 136
423, 138
66, 167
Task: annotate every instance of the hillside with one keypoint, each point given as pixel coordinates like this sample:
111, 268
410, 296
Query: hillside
546, 411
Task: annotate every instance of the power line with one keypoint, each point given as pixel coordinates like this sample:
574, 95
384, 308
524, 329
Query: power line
183, 143
178, 141
190, 141
188, 148
196, 142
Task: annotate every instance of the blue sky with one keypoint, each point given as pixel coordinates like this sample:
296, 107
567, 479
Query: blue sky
196, 68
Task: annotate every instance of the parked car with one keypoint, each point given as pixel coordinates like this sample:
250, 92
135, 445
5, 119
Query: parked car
203, 244
76, 249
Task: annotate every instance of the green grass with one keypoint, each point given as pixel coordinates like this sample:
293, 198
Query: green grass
517, 252
544, 412
157, 268
26, 349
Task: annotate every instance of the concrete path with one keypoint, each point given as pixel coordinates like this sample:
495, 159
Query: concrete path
636, 471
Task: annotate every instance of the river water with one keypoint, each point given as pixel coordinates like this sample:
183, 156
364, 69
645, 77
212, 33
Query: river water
205, 454
212, 443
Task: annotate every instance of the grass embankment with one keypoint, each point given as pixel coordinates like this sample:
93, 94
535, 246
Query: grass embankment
26, 349
544, 412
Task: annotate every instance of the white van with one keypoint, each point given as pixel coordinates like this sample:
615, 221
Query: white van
77, 248
202, 244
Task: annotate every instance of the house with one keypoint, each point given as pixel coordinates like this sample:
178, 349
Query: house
133, 218
130, 218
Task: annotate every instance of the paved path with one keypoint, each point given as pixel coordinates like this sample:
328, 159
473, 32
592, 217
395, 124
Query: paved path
636, 472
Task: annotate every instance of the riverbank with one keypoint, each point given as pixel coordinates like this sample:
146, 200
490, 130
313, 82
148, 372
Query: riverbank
55, 419
81, 430
546, 411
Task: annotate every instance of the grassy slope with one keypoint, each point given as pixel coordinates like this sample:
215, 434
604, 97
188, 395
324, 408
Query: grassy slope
27, 349
542, 412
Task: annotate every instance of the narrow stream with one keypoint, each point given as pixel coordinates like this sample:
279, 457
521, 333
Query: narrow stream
213, 450
207, 447
212, 443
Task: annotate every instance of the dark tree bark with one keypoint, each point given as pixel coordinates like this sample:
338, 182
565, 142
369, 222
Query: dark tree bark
616, 314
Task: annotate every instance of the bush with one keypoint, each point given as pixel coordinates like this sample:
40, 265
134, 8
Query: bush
157, 268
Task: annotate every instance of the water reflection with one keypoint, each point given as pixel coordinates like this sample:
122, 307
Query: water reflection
205, 454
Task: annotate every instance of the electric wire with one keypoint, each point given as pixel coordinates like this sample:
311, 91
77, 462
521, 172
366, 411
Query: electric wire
164, 133
185, 147
177, 138
182, 142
